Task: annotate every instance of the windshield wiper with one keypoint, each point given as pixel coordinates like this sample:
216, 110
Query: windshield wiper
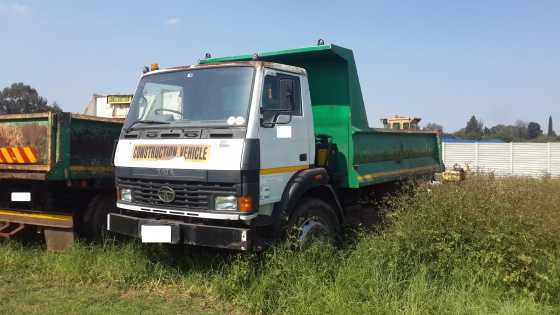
146, 121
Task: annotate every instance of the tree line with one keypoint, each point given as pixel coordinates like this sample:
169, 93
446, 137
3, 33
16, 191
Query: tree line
20, 98
520, 131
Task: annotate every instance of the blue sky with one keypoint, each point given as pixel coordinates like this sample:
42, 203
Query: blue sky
440, 60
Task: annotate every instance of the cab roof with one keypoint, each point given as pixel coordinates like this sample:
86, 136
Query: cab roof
274, 65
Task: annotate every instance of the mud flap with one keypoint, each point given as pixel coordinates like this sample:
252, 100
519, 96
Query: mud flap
58, 239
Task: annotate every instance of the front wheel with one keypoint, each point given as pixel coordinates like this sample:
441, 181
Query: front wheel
313, 220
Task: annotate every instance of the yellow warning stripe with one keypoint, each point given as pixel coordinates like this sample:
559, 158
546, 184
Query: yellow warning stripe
372, 176
19, 158
30, 155
45, 216
18, 155
285, 169
91, 168
6, 155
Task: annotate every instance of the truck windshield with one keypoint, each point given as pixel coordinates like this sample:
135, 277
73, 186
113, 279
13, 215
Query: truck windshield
211, 95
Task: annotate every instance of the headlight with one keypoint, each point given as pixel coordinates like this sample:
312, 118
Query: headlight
126, 194
225, 203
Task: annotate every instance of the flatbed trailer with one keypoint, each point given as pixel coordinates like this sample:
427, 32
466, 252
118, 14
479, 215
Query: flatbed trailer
56, 174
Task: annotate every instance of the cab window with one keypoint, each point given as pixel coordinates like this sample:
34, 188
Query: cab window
282, 92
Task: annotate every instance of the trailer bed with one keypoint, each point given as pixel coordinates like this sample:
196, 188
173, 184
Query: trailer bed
56, 146
365, 155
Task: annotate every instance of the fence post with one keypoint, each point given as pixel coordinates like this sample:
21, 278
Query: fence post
511, 158
548, 170
476, 156
443, 153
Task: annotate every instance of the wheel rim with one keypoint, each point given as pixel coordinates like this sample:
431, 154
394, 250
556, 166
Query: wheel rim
312, 228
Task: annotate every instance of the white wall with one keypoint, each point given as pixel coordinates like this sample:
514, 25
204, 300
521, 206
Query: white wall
103, 108
99, 107
505, 159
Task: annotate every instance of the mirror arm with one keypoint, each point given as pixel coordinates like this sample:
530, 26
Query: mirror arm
277, 115
274, 120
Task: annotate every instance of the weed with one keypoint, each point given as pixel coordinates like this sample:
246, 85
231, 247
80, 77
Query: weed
486, 245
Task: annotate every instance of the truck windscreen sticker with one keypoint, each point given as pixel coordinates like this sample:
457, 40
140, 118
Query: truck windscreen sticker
189, 152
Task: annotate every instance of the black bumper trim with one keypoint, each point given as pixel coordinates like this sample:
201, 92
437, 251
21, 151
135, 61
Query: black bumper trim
185, 233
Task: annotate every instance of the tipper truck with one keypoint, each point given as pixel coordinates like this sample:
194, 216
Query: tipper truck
56, 175
240, 151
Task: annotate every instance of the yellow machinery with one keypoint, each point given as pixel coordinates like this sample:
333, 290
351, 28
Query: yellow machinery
401, 122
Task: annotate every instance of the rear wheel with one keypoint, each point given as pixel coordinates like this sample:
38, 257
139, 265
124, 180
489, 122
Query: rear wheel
313, 220
94, 220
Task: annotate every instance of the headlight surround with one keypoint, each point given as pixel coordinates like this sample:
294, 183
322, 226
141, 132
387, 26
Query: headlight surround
126, 194
225, 203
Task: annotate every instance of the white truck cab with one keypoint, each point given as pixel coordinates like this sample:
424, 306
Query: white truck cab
207, 144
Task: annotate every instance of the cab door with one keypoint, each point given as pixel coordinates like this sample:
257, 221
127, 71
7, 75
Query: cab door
284, 132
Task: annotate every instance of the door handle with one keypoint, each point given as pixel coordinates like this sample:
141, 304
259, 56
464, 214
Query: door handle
303, 157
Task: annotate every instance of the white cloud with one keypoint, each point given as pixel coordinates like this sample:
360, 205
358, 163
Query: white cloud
173, 21
15, 9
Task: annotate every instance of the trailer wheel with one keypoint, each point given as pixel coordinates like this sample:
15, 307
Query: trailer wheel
94, 220
313, 220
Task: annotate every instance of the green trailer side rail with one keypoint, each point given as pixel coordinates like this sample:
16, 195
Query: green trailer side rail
366, 155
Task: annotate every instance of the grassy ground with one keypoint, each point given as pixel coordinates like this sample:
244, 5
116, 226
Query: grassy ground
482, 246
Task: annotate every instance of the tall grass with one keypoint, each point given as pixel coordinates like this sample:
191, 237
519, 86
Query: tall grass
482, 246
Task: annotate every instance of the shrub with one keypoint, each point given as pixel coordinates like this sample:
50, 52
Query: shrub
503, 231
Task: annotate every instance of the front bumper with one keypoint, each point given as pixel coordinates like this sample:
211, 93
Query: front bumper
186, 233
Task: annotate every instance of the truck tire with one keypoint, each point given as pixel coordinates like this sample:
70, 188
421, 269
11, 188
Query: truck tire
313, 220
94, 220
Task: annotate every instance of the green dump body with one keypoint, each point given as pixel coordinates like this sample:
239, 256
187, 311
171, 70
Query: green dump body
366, 155
57, 146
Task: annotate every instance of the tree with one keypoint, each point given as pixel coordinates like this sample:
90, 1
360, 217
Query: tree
534, 130
551, 132
20, 98
433, 127
474, 129
520, 130
503, 132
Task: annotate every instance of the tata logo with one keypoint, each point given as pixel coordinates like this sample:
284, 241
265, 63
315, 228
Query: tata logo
166, 194
165, 172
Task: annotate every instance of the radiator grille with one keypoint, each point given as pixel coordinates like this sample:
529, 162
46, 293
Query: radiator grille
188, 195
